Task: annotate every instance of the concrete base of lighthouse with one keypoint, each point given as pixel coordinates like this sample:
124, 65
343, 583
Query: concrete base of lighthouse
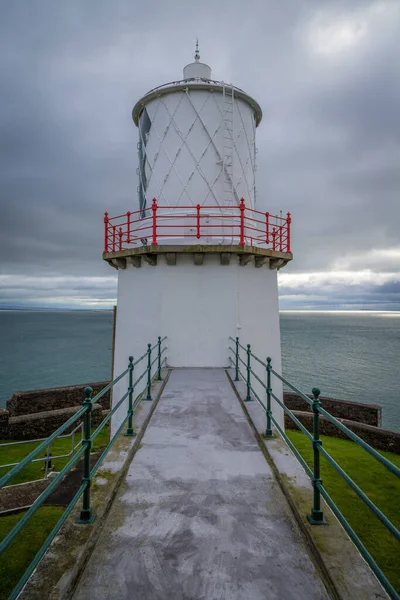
198, 300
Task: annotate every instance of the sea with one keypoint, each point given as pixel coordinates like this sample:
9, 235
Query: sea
349, 355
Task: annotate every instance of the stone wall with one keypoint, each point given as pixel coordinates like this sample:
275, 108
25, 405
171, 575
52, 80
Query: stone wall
381, 439
41, 425
4, 417
37, 413
370, 414
34, 401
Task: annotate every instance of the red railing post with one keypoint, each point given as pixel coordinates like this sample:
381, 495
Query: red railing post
120, 239
274, 239
242, 209
106, 231
198, 221
280, 238
128, 227
114, 235
267, 227
154, 209
288, 221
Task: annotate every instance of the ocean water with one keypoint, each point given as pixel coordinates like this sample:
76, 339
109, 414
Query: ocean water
348, 355
354, 355
41, 349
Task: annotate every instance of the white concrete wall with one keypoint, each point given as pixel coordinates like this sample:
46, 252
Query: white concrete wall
186, 145
198, 308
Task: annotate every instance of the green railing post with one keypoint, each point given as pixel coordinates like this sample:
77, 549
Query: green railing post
268, 431
148, 397
130, 432
248, 395
316, 517
159, 359
237, 360
86, 516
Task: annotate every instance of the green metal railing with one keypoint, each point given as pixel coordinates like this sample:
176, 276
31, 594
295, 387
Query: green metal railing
86, 515
48, 457
316, 516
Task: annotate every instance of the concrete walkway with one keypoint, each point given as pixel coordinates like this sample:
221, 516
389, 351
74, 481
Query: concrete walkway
200, 515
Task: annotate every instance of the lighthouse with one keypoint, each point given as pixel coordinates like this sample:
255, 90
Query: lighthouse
197, 259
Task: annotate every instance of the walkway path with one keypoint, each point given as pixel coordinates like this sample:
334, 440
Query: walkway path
200, 515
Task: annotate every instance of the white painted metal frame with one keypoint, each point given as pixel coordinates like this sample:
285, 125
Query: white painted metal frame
226, 154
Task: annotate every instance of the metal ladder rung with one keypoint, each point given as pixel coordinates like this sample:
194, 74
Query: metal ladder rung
228, 145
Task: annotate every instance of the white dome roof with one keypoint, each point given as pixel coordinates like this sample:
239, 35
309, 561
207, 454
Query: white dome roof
197, 70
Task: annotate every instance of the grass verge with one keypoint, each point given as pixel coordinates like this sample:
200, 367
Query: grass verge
23, 549
35, 470
381, 486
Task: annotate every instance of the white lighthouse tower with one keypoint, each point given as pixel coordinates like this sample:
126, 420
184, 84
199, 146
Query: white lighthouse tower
197, 262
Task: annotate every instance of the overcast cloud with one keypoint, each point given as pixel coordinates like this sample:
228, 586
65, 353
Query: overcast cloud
325, 73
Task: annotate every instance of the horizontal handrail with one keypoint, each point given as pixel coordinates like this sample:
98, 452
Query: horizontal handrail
139, 359
46, 457
357, 542
19, 442
108, 416
257, 397
393, 530
242, 361
355, 438
107, 448
293, 448
39, 555
108, 386
292, 387
316, 516
258, 360
8, 476
39, 501
292, 416
84, 451
243, 225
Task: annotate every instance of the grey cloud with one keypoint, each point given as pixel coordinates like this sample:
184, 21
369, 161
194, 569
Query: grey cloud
329, 145
367, 295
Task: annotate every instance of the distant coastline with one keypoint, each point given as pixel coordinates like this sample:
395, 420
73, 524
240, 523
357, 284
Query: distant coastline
27, 309
339, 311
282, 310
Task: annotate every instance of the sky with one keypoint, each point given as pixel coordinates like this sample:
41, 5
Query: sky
326, 75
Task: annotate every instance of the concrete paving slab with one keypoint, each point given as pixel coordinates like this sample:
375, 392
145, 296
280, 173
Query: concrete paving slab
200, 515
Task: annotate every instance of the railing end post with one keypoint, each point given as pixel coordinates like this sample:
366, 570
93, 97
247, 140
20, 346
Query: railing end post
159, 360
248, 394
154, 222
316, 392
148, 396
86, 516
268, 431
316, 517
130, 432
88, 391
288, 240
237, 360
242, 208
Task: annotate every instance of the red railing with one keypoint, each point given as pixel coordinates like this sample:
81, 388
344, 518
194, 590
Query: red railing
230, 225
